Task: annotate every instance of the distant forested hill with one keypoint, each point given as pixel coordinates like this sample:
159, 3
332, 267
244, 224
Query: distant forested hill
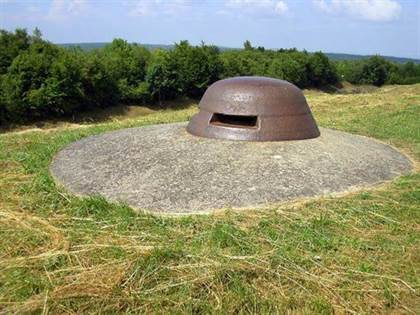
337, 56
332, 56
91, 46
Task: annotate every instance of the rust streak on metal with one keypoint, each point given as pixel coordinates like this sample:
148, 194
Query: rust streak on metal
254, 109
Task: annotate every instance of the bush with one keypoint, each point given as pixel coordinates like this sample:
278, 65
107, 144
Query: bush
408, 73
322, 72
12, 44
185, 70
46, 81
377, 71
194, 67
39, 79
290, 69
300, 68
99, 86
28, 88
236, 63
126, 63
162, 77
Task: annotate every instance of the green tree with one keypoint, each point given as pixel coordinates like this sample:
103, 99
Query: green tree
292, 67
236, 63
197, 67
100, 88
11, 45
46, 80
185, 70
162, 77
375, 71
248, 45
126, 63
25, 85
408, 73
43, 81
322, 71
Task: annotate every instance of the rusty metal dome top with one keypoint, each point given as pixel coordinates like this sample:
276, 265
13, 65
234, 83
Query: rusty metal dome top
254, 109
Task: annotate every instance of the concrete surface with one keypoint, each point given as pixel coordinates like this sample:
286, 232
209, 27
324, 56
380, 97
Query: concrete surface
162, 168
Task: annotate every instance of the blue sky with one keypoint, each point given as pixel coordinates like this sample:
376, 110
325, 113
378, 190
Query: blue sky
386, 27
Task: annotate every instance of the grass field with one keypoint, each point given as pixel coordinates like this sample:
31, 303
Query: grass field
359, 253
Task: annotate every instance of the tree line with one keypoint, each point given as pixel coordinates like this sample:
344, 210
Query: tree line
39, 79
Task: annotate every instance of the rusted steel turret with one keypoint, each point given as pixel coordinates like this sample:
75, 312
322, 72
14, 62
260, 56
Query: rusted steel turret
254, 109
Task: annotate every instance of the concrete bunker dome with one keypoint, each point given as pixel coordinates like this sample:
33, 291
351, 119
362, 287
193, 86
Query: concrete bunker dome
165, 169
254, 109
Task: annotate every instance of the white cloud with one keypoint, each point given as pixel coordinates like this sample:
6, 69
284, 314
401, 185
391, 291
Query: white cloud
268, 8
265, 8
281, 7
60, 9
323, 5
159, 7
369, 10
